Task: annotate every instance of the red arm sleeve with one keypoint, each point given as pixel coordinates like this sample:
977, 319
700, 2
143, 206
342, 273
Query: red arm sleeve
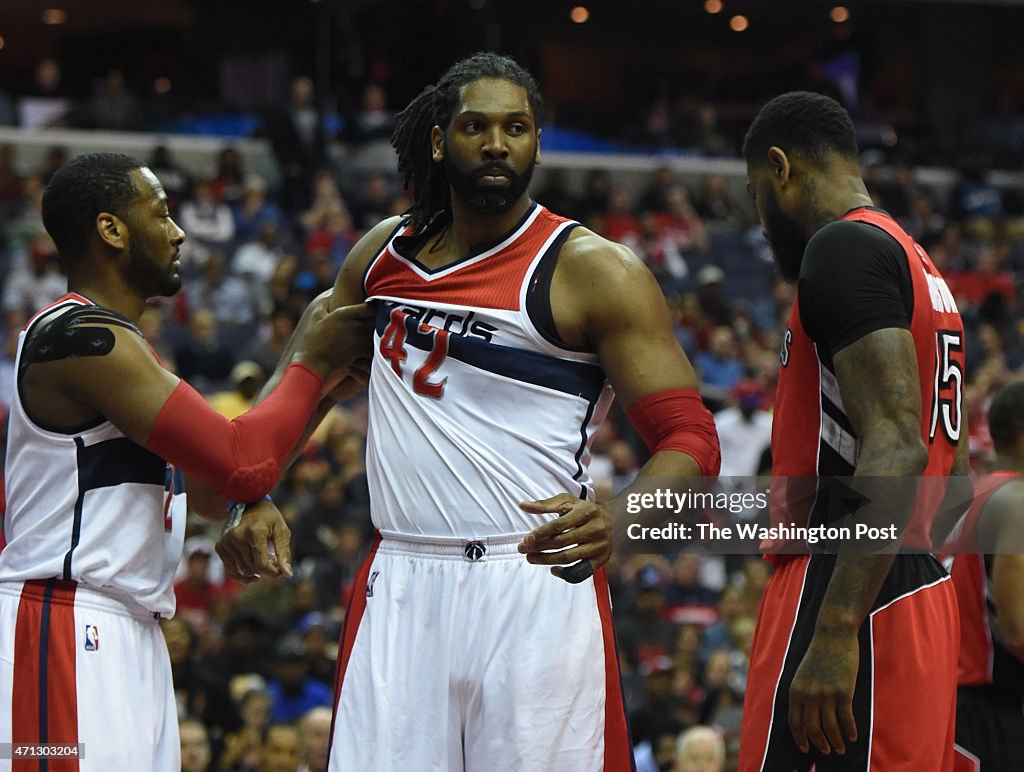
676, 419
239, 459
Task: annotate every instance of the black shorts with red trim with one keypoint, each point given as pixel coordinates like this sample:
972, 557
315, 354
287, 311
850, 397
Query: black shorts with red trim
989, 730
905, 696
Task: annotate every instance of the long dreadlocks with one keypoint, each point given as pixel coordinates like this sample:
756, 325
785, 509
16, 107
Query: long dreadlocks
434, 107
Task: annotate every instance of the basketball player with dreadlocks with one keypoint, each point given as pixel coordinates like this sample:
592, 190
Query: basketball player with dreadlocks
501, 331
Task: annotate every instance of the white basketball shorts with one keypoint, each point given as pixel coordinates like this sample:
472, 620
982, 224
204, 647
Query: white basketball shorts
460, 656
80, 667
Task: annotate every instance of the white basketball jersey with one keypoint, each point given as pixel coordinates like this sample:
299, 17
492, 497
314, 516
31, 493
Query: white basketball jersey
92, 506
474, 406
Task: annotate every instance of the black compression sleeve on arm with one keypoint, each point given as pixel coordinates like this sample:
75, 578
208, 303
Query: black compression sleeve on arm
854, 280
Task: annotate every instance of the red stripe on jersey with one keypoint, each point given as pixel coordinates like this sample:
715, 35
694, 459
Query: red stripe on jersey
493, 281
618, 751
353, 617
58, 671
54, 304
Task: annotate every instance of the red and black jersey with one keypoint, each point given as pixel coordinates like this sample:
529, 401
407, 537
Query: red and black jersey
860, 274
984, 660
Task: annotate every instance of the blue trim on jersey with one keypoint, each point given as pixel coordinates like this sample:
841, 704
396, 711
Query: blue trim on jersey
109, 463
578, 458
580, 379
44, 645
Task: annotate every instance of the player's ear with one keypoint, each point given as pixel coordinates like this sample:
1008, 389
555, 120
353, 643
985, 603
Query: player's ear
536, 156
112, 230
437, 144
778, 162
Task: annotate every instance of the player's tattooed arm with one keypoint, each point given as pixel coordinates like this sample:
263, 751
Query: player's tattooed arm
878, 383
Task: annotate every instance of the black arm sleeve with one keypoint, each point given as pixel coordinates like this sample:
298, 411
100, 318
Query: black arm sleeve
854, 280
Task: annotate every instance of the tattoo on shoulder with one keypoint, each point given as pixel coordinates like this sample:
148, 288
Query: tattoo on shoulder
75, 333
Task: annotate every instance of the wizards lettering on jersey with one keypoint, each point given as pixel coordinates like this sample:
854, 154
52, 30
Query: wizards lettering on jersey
463, 325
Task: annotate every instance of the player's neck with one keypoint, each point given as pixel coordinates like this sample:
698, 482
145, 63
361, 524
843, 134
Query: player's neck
470, 230
834, 194
111, 295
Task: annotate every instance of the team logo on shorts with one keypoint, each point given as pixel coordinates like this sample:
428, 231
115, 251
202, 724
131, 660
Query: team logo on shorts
369, 584
92, 638
474, 550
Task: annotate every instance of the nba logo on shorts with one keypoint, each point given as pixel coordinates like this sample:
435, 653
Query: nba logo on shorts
369, 584
92, 638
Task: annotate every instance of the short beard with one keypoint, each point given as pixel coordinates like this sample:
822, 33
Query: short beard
166, 283
487, 200
786, 240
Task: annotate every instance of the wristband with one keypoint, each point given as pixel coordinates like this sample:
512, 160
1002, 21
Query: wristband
235, 510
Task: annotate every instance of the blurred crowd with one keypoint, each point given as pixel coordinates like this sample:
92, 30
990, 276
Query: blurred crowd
253, 665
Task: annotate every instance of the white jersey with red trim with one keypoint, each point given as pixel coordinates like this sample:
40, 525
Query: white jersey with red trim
90, 506
474, 404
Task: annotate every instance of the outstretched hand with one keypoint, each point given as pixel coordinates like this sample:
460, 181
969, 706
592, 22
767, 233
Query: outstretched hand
575, 544
258, 546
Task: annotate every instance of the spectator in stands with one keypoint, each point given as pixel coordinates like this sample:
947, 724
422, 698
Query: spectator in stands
717, 206
686, 590
228, 180
114, 106
373, 121
248, 378
29, 289
654, 197
700, 749
745, 432
325, 197
719, 368
924, 222
297, 138
985, 283
596, 196
770, 311
377, 201
11, 183
229, 298
55, 158
203, 359
209, 223
334, 235
173, 176
645, 635
255, 211
256, 259
619, 223
556, 196
315, 733
196, 754
710, 283
196, 592
293, 692
267, 351
199, 692
282, 749
680, 222
313, 629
